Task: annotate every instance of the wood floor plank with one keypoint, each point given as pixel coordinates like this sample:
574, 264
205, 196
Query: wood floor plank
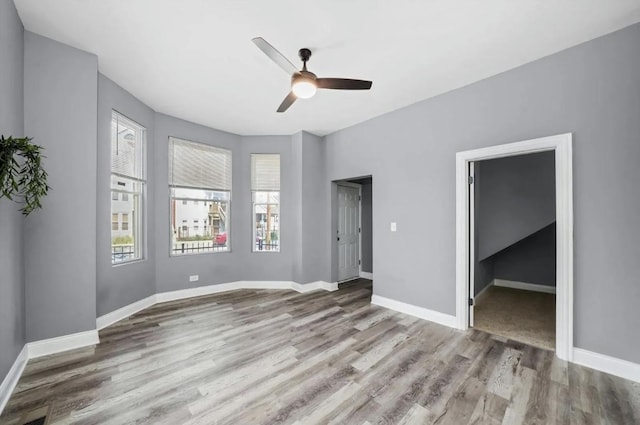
281, 357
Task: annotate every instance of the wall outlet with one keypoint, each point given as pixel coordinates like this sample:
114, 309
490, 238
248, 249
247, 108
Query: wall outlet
194, 278
394, 226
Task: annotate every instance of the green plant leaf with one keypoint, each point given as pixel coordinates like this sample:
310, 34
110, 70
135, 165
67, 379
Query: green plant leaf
21, 173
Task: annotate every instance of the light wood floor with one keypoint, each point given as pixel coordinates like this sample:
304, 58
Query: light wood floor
280, 357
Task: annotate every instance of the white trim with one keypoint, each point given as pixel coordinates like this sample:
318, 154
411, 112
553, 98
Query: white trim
366, 275
124, 312
242, 284
62, 343
482, 292
263, 284
314, 286
472, 237
524, 286
198, 291
413, 310
608, 364
561, 144
13, 376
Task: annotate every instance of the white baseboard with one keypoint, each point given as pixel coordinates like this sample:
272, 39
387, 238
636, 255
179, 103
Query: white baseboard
366, 275
11, 380
413, 310
612, 365
124, 312
264, 284
329, 286
199, 291
483, 292
525, 286
314, 286
59, 344
243, 284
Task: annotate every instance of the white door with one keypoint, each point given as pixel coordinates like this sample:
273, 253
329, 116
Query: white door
472, 239
348, 232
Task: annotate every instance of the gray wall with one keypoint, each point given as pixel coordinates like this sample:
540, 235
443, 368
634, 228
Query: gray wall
121, 285
530, 260
172, 273
296, 222
266, 265
590, 90
312, 255
60, 110
12, 317
516, 198
316, 242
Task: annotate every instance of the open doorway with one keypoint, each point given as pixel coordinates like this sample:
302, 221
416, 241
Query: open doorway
353, 243
560, 146
513, 250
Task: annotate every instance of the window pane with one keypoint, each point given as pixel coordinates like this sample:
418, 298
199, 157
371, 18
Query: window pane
126, 238
200, 225
128, 141
127, 147
266, 225
123, 184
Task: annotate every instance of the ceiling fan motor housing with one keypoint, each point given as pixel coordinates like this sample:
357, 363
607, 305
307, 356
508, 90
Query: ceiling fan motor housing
303, 75
304, 54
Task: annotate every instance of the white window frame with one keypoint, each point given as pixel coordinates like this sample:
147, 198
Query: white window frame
138, 220
254, 235
228, 225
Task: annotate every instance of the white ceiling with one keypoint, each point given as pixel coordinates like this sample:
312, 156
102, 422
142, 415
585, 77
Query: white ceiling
194, 59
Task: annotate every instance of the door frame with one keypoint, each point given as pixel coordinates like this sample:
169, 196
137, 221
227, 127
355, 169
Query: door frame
562, 146
472, 245
359, 187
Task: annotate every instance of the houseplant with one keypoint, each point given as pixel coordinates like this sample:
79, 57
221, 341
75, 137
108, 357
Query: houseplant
22, 178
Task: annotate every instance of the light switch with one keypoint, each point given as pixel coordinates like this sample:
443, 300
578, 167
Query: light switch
393, 226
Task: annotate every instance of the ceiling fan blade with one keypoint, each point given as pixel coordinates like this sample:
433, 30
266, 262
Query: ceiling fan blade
343, 84
275, 55
288, 101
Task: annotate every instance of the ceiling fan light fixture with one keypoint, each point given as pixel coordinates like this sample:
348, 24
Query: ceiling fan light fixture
304, 88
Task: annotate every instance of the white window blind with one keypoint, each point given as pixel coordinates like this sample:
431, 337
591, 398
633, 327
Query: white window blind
199, 166
127, 147
265, 172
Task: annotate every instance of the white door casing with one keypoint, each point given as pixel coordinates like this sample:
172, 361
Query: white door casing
472, 237
348, 238
562, 146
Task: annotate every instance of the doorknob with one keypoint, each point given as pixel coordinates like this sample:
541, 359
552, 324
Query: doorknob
338, 238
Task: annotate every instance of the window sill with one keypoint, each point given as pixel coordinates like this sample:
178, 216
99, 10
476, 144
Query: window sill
125, 263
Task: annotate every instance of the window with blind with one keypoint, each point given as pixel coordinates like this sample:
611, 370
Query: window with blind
128, 181
200, 186
265, 195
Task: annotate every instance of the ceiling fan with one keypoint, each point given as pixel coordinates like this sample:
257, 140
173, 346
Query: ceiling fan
304, 83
